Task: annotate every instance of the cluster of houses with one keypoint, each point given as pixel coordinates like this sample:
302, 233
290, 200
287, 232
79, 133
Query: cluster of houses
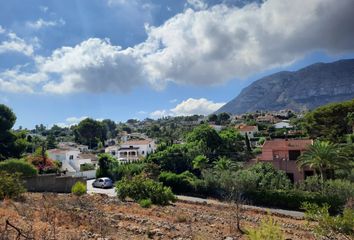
73, 157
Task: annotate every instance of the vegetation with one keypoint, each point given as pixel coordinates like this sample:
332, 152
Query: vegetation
87, 167
79, 189
11, 185
12, 145
327, 224
139, 188
322, 156
18, 166
145, 203
330, 122
268, 230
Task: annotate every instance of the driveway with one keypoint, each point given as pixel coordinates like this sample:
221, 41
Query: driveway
90, 190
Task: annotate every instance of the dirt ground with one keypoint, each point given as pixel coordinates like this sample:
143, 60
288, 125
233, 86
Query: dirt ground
63, 216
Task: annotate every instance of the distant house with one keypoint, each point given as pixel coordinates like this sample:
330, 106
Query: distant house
283, 153
268, 118
72, 145
71, 160
249, 130
132, 150
217, 128
283, 124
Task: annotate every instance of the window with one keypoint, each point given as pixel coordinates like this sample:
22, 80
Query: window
142, 152
71, 157
294, 154
113, 153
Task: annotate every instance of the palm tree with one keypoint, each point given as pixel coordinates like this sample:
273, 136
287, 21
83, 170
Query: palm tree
321, 156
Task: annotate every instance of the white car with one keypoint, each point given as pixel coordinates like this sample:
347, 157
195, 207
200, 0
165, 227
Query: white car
103, 182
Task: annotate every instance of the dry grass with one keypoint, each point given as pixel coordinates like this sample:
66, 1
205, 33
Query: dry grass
63, 216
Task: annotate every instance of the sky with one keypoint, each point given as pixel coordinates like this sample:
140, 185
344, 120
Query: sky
64, 60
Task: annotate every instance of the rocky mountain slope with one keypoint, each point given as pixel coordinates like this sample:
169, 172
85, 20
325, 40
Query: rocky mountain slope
307, 88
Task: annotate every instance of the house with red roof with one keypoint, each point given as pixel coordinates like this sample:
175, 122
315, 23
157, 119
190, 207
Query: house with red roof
283, 153
249, 130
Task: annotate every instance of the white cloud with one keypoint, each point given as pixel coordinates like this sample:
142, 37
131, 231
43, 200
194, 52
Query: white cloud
43, 8
173, 100
197, 4
222, 43
2, 30
13, 43
40, 23
160, 114
191, 106
75, 120
204, 47
94, 66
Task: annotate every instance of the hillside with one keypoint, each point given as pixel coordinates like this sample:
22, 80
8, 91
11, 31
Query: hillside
305, 89
63, 216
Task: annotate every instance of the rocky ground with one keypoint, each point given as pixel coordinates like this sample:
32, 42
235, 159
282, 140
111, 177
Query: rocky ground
63, 216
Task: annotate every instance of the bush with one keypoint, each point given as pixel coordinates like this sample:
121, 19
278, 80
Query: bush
139, 188
120, 171
11, 185
292, 199
79, 189
327, 224
18, 166
87, 167
341, 189
145, 203
268, 230
179, 183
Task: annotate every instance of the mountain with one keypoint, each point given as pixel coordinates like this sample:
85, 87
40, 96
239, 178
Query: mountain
305, 89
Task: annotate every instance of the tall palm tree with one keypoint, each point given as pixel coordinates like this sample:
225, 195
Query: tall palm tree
322, 156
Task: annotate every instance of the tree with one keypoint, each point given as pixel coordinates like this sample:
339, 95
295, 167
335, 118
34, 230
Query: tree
104, 162
11, 143
90, 132
200, 162
206, 134
111, 128
7, 118
212, 118
232, 143
248, 144
330, 122
322, 156
51, 142
223, 117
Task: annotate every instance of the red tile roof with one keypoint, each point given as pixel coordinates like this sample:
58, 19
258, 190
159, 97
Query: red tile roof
283, 144
244, 128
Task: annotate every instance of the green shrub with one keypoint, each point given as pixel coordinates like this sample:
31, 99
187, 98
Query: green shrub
179, 183
139, 188
145, 203
87, 167
120, 171
11, 185
327, 224
292, 199
18, 166
268, 230
79, 189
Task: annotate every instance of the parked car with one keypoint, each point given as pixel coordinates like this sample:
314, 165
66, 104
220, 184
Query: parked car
104, 182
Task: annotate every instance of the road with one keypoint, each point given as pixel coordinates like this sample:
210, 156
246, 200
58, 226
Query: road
294, 214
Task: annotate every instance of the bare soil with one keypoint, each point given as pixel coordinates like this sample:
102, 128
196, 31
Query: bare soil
63, 216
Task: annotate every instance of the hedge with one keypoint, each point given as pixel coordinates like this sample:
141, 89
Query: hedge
293, 199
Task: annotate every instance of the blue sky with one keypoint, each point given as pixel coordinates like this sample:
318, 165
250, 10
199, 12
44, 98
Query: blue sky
61, 61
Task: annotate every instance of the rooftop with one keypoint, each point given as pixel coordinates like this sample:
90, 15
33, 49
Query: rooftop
286, 144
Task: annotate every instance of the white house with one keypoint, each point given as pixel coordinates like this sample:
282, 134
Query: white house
283, 124
249, 130
71, 161
132, 150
